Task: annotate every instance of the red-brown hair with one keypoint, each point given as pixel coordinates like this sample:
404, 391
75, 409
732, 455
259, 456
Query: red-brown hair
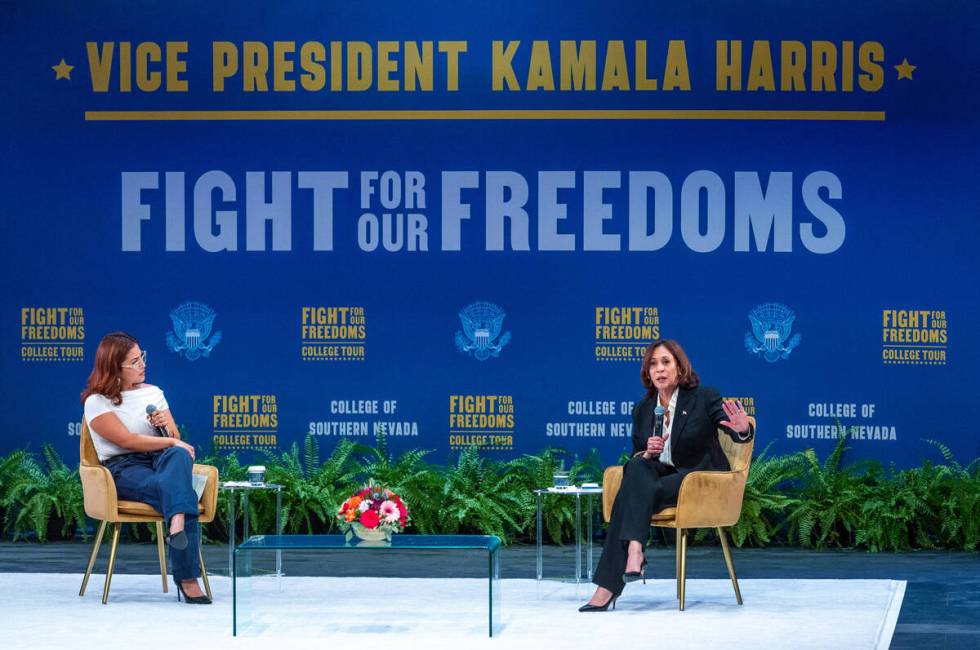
106, 377
686, 377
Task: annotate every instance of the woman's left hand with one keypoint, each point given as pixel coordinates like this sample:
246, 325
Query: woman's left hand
737, 420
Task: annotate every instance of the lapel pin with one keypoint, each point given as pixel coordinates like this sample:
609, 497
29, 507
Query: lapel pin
683, 412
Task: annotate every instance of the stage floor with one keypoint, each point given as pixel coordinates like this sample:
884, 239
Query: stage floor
307, 613
942, 594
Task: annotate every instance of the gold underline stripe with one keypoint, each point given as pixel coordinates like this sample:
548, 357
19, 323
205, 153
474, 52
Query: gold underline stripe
466, 114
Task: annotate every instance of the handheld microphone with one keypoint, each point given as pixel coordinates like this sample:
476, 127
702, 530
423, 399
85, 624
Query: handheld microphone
658, 422
161, 431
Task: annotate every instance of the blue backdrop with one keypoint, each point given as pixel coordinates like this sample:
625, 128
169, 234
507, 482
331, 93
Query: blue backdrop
794, 202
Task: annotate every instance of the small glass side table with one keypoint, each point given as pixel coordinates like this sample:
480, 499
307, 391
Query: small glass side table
578, 493
244, 487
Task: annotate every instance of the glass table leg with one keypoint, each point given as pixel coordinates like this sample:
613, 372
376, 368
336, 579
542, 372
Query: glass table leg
248, 558
588, 538
578, 539
231, 532
539, 540
242, 599
494, 599
279, 532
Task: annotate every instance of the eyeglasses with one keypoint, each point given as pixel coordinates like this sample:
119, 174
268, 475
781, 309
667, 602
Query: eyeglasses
139, 364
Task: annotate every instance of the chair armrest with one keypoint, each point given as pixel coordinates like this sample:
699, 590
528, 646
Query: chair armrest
611, 479
710, 499
99, 493
209, 499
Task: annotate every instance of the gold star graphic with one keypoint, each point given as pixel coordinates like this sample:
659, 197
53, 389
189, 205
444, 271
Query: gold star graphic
905, 69
62, 70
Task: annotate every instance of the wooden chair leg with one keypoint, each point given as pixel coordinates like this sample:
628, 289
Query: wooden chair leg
112, 562
683, 574
163, 555
204, 571
728, 561
96, 544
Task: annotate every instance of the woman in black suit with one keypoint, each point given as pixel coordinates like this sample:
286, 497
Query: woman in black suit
652, 478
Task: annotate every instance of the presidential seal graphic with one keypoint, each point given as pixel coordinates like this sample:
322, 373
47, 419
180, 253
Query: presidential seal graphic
482, 322
772, 324
192, 327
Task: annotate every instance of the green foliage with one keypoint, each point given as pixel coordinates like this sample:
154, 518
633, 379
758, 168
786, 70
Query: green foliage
767, 497
32, 493
408, 475
828, 510
311, 491
896, 514
479, 497
956, 500
795, 498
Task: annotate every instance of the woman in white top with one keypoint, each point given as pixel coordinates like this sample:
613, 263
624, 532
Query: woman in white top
148, 460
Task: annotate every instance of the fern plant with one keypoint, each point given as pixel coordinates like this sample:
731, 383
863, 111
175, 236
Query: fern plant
408, 474
958, 501
829, 507
311, 490
478, 496
768, 495
33, 493
896, 514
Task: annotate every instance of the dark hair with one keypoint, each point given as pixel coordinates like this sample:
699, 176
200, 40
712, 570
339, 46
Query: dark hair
686, 376
106, 377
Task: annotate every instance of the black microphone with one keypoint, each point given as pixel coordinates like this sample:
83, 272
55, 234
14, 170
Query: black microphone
162, 431
658, 422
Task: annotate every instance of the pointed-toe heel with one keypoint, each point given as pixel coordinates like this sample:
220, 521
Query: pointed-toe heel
190, 600
599, 608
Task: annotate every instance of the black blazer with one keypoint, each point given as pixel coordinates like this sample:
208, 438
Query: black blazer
694, 435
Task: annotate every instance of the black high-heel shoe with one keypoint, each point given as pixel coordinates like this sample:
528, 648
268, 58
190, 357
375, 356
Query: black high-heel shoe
190, 600
599, 608
633, 576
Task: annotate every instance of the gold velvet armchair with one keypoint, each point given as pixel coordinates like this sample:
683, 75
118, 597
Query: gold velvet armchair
706, 499
102, 503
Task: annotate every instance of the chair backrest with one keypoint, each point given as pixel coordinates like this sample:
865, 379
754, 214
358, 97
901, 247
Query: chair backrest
86, 448
739, 454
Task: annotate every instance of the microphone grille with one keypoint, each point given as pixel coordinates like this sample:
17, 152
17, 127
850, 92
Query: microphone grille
150, 408
659, 410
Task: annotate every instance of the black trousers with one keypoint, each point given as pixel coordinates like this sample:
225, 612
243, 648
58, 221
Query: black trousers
648, 487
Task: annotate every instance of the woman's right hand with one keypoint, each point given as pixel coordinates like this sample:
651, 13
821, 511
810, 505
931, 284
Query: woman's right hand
183, 445
655, 445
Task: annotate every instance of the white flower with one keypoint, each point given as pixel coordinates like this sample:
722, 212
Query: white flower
365, 505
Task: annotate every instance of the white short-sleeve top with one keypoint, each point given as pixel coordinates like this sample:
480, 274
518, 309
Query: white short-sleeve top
131, 412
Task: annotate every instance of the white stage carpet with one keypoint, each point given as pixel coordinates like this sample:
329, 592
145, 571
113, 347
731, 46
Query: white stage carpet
44, 611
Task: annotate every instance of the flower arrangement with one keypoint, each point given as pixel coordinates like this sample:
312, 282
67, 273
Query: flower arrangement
373, 513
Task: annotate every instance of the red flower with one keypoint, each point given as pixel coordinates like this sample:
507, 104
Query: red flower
369, 519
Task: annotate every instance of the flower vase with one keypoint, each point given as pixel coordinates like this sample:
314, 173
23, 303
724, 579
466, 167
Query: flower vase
371, 536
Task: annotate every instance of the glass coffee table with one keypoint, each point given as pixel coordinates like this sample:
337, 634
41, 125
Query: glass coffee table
245, 607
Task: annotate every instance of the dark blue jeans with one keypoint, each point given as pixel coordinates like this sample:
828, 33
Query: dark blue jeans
162, 479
